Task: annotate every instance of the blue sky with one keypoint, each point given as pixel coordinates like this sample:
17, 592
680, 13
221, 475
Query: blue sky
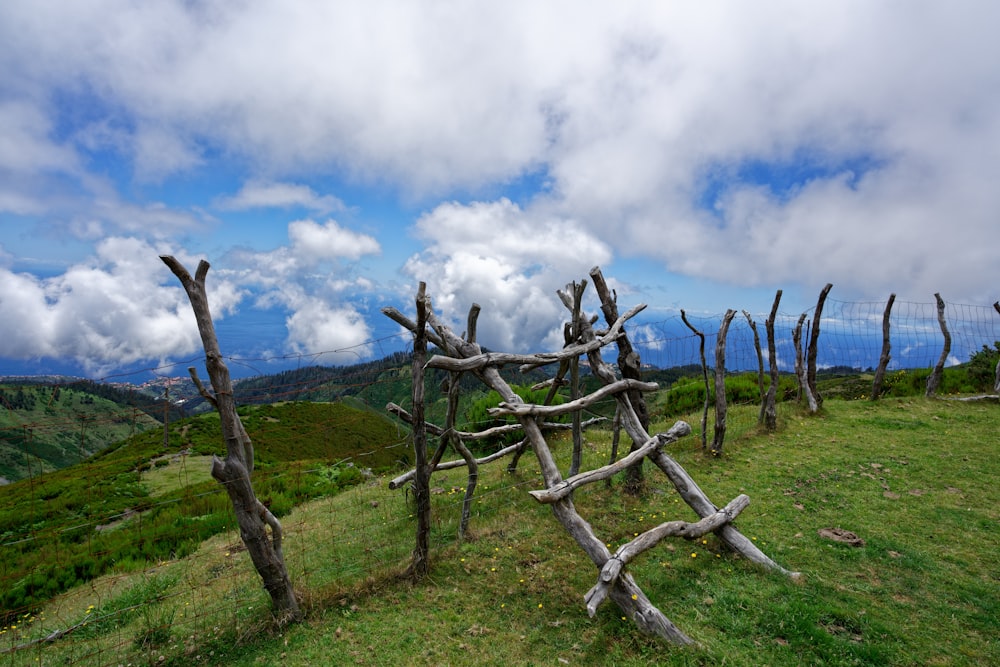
326, 157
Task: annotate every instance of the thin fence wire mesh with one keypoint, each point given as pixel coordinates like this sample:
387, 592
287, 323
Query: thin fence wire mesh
187, 596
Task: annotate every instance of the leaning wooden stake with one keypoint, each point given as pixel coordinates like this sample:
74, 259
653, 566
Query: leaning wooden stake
234, 472
630, 365
614, 582
769, 411
996, 380
719, 435
885, 356
934, 380
760, 363
704, 375
420, 560
800, 368
814, 346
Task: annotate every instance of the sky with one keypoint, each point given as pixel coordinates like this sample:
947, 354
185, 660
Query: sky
327, 157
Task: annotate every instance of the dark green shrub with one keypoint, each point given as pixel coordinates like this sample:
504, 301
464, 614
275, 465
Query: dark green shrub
982, 367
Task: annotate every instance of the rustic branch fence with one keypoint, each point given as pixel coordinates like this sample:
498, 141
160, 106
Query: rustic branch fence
855, 334
465, 355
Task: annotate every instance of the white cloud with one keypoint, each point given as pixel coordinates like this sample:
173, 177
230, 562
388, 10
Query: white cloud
314, 242
161, 151
635, 115
322, 317
106, 313
509, 261
25, 143
260, 194
335, 332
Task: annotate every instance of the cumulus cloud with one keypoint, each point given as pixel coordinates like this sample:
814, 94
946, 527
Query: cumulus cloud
752, 144
313, 242
509, 261
323, 316
316, 327
110, 311
261, 194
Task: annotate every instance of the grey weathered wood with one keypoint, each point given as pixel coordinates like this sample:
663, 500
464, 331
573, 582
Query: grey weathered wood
234, 471
800, 368
719, 434
520, 408
420, 559
623, 590
885, 356
996, 381
527, 362
567, 486
573, 304
553, 384
686, 487
456, 442
704, 374
616, 433
627, 552
769, 410
630, 366
814, 346
934, 379
760, 364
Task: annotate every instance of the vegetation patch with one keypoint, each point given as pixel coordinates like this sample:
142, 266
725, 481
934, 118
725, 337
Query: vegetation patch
120, 510
919, 591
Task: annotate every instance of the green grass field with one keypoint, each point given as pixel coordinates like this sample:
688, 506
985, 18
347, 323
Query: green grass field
914, 478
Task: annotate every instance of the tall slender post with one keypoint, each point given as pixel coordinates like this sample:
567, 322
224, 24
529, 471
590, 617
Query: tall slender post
234, 472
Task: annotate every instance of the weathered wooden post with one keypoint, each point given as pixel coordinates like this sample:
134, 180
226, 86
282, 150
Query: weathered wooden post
769, 410
704, 375
420, 562
234, 472
719, 435
934, 380
800, 368
630, 365
813, 346
760, 363
884, 357
996, 381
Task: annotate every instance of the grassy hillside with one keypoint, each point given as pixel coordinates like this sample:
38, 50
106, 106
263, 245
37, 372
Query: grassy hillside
44, 428
141, 500
913, 478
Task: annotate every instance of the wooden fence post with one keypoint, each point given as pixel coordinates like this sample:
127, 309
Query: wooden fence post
234, 472
884, 357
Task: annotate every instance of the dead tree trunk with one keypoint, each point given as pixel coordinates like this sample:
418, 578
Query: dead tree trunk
420, 561
934, 380
760, 364
704, 374
630, 366
450, 420
234, 472
813, 344
800, 369
883, 360
572, 298
719, 435
616, 432
996, 381
769, 410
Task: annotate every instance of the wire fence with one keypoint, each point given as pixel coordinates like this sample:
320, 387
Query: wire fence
192, 599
